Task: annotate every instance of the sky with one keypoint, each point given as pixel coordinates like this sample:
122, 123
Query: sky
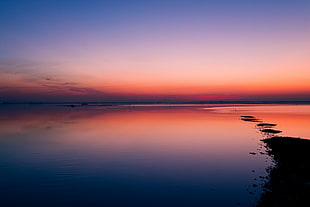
154, 50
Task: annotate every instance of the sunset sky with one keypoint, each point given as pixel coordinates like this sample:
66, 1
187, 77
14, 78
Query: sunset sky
154, 50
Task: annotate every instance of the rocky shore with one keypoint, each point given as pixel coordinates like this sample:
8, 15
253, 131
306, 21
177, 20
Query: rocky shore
289, 180
288, 183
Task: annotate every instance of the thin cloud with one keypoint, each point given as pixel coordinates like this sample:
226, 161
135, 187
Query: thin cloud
34, 72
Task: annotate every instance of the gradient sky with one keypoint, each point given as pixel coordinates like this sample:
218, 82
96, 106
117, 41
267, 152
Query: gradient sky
138, 50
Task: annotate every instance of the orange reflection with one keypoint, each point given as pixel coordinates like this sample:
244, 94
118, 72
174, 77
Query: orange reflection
293, 120
170, 132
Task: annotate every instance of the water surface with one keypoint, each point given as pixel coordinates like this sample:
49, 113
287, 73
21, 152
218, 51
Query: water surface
137, 155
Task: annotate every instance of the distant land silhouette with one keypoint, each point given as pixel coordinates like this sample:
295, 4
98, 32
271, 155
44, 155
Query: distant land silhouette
83, 103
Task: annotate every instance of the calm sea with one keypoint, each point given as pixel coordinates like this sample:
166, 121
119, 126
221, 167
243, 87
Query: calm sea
160, 155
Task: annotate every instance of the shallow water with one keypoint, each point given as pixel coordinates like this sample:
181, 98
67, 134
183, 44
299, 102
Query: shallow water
195, 155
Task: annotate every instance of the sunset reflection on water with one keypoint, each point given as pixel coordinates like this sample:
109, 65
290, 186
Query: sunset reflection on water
142, 155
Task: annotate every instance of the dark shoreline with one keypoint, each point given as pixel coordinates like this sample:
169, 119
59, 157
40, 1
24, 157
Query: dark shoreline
289, 180
288, 183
